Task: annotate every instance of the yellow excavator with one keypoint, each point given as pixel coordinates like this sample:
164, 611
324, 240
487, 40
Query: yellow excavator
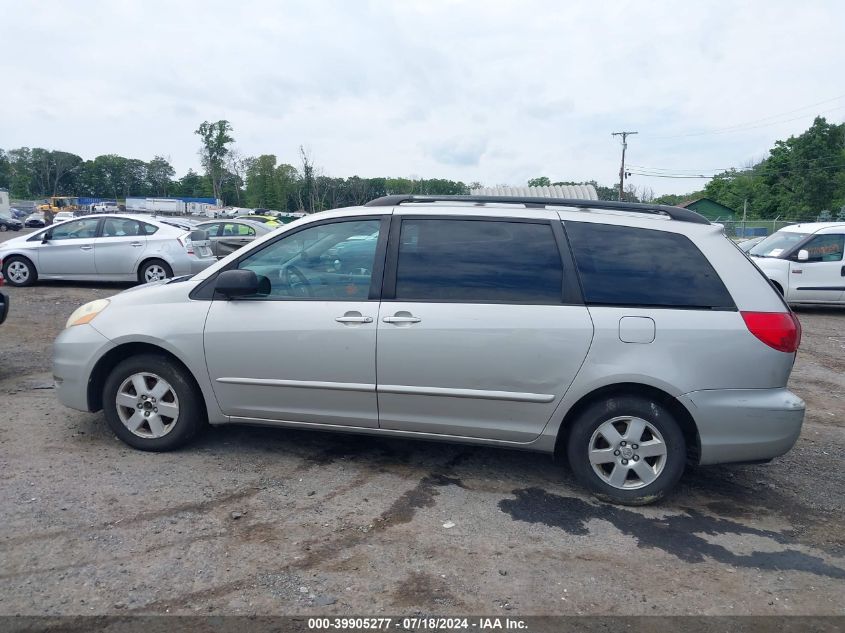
56, 204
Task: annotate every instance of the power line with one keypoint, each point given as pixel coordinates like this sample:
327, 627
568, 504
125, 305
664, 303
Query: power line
751, 125
703, 170
750, 173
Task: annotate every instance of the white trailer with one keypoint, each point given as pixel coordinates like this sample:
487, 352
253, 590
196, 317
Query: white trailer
166, 206
157, 206
5, 207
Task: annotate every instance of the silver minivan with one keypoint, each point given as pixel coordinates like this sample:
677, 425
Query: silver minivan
631, 339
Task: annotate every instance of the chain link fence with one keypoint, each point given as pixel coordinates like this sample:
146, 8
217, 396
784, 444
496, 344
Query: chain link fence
739, 229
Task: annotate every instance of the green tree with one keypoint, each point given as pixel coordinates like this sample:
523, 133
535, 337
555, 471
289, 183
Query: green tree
540, 181
193, 185
159, 176
5, 171
801, 176
262, 186
215, 141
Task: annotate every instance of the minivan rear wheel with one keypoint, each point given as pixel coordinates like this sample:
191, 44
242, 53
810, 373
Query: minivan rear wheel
152, 404
627, 449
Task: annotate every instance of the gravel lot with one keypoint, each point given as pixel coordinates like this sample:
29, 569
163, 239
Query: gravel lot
272, 521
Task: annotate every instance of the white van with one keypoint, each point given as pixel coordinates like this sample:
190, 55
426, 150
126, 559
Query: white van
804, 262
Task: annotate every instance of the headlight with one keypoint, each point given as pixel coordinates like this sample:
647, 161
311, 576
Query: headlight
86, 313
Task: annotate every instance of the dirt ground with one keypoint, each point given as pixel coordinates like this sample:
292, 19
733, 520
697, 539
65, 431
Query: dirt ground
272, 521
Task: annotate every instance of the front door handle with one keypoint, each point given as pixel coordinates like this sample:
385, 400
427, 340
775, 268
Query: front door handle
354, 317
85, 248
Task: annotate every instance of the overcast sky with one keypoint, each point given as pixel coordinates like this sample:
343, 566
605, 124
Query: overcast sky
487, 91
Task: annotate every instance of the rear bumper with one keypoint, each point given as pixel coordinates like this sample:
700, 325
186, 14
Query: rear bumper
745, 425
199, 264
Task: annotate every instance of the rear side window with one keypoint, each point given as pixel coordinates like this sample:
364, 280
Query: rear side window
478, 261
148, 229
640, 267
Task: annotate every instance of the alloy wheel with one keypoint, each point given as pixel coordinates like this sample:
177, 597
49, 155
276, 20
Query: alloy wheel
18, 272
154, 272
627, 452
147, 405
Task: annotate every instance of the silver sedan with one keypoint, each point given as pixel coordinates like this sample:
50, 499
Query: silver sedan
105, 248
227, 236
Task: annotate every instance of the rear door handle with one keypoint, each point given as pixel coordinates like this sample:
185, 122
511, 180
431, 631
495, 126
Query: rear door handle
137, 244
401, 319
354, 317
85, 248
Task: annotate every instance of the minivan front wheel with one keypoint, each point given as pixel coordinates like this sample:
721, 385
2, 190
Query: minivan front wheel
627, 450
152, 404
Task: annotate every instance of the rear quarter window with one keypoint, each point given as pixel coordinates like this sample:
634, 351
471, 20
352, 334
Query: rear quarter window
626, 266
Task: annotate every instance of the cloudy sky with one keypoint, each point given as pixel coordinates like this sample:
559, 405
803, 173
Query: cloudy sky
487, 91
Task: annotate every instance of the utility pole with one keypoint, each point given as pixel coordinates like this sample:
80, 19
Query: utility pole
624, 136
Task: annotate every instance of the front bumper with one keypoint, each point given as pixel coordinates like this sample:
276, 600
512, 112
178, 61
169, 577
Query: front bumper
75, 352
745, 425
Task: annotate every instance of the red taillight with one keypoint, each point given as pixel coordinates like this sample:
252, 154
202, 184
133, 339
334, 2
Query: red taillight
779, 330
186, 244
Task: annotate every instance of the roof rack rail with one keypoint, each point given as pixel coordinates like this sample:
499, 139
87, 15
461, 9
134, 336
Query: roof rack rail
675, 213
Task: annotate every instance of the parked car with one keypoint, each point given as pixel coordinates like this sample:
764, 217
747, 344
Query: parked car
4, 302
267, 220
18, 214
63, 216
34, 220
632, 339
186, 224
747, 245
804, 262
228, 236
105, 248
8, 223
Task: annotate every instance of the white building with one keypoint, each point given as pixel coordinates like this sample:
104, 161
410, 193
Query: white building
577, 192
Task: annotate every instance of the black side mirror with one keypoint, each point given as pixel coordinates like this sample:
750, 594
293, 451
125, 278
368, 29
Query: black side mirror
46, 236
237, 283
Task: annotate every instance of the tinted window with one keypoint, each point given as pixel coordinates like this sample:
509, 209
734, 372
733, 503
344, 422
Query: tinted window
330, 261
478, 260
627, 266
825, 248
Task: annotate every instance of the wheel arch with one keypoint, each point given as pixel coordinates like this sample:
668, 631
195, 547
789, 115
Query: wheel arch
115, 355
18, 255
157, 257
675, 407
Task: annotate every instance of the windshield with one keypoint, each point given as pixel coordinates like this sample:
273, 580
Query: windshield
777, 243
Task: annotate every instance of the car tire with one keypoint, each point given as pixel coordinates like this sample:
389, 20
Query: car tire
152, 403
635, 465
3, 228
153, 269
19, 271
